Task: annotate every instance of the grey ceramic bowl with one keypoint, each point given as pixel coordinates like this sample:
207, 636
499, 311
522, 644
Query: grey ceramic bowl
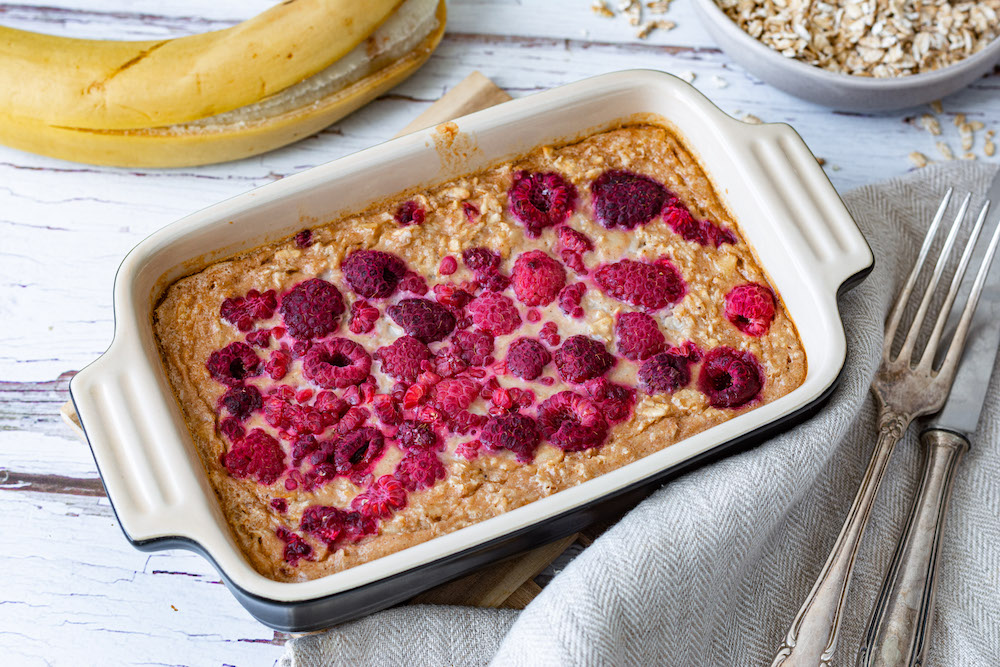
841, 91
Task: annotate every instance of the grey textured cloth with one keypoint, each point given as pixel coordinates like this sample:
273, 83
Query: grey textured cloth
711, 569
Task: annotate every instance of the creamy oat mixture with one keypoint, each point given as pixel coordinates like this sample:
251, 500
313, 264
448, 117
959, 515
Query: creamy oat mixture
459, 352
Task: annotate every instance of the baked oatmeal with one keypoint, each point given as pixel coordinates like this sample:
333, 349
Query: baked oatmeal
442, 358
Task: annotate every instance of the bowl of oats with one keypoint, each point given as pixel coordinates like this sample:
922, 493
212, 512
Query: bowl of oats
859, 55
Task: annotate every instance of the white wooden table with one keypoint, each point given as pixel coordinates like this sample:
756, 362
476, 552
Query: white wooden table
72, 591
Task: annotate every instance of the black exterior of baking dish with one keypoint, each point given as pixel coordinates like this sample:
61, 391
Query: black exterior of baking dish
327, 611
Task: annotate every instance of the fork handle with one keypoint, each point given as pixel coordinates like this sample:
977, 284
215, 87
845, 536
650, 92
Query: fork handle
812, 638
901, 621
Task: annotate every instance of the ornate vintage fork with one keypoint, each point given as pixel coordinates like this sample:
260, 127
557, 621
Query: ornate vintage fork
905, 387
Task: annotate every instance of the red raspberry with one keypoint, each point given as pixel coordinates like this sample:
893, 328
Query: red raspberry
373, 274
493, 281
515, 432
527, 358
613, 400
481, 260
296, 548
494, 313
381, 499
474, 347
638, 336
448, 363
750, 307
387, 409
665, 372
232, 429
409, 213
413, 283
581, 358
311, 309
259, 338
730, 378
233, 364
549, 333
329, 524
277, 365
363, 317
413, 434
570, 299
623, 199
330, 404
242, 401
242, 312
280, 505
574, 241
354, 452
541, 200
451, 295
258, 455
571, 422
336, 363
448, 265
419, 469
454, 395
303, 239
537, 278
703, 232
647, 286
402, 360
425, 320
302, 447
471, 210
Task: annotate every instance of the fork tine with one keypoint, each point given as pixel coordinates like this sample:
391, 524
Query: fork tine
962, 331
906, 351
956, 282
904, 295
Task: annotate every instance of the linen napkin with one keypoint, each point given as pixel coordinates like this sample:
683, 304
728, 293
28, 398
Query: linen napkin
711, 569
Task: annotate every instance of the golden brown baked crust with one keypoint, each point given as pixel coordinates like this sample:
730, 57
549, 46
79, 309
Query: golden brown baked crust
189, 328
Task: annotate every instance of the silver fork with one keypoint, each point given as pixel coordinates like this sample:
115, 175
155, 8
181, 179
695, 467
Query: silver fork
903, 391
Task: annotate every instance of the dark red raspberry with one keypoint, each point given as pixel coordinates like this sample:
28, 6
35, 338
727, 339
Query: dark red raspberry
381, 499
703, 232
304, 446
296, 548
258, 455
570, 299
329, 403
665, 372
572, 422
730, 378
416, 435
277, 365
326, 523
515, 432
413, 283
232, 429
419, 469
451, 295
624, 199
448, 362
259, 338
481, 260
242, 401
280, 505
541, 200
402, 360
312, 309
648, 286
387, 409
233, 364
294, 420
354, 452
581, 358
474, 347
454, 395
493, 281
336, 363
363, 317
527, 358
471, 210
373, 274
494, 313
537, 278
242, 311
425, 320
615, 401
638, 336
409, 213
448, 265
750, 307
304, 239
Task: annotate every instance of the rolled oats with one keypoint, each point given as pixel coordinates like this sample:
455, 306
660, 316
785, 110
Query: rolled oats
945, 150
931, 124
918, 159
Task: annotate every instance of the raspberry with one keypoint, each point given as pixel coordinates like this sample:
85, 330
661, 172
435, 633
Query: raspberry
232, 428
572, 422
233, 364
419, 469
259, 338
329, 524
293, 420
409, 213
416, 435
303, 447
665, 372
515, 432
493, 281
648, 286
354, 452
570, 299
466, 422
330, 404
304, 239
638, 336
242, 312
311, 309
454, 395
481, 260
730, 378
541, 200
624, 199
549, 333
471, 210
258, 455
413, 283
363, 317
527, 358
574, 241
425, 320
474, 347
537, 278
277, 365
451, 295
750, 307
296, 548
373, 274
242, 401
494, 313
338, 362
702, 232
279, 505
448, 265
402, 359
381, 499
613, 400
581, 358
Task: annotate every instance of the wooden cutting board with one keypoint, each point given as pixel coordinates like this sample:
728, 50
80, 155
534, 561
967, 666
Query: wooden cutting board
509, 583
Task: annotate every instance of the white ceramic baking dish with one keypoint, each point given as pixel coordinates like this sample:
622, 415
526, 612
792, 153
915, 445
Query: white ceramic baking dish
786, 209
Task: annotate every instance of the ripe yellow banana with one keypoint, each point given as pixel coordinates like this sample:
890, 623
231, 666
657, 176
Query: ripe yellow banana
211, 100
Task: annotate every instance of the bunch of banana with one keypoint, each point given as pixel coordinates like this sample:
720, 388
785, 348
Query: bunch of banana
271, 80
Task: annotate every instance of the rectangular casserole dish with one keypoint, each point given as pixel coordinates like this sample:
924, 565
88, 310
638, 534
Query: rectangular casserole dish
786, 209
